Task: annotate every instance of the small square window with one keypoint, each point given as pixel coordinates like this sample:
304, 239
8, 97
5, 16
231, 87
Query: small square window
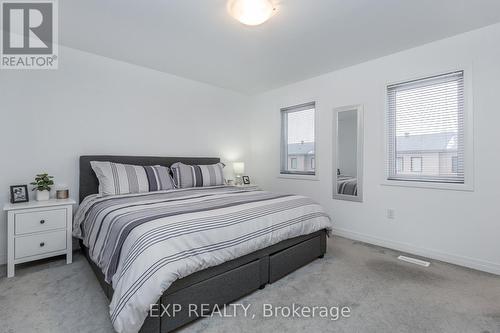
454, 164
399, 165
416, 164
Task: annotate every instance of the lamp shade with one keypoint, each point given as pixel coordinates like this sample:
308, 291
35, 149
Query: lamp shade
239, 168
251, 12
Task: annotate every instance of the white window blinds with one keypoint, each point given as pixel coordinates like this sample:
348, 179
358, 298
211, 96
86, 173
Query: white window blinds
426, 129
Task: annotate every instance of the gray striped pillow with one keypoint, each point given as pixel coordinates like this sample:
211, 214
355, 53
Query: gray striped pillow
197, 175
117, 178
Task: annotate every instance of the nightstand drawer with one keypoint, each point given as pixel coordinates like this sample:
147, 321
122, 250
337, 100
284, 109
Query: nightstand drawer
37, 244
40, 221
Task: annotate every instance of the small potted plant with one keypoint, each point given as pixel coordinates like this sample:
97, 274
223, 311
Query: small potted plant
42, 185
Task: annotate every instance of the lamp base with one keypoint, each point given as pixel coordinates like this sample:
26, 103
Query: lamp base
238, 180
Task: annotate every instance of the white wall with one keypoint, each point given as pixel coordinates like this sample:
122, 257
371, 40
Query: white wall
457, 226
95, 105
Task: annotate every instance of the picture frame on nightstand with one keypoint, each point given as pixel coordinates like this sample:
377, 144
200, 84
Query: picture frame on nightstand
19, 193
246, 180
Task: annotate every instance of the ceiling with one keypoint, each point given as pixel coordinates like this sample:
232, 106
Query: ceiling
197, 39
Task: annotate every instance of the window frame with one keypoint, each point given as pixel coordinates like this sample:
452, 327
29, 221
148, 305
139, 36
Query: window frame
283, 170
468, 129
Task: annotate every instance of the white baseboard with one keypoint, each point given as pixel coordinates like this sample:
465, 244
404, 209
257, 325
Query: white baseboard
480, 265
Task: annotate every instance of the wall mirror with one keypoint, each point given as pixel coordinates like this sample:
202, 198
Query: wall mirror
348, 153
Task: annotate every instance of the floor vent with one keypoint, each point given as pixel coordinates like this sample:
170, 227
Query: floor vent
415, 261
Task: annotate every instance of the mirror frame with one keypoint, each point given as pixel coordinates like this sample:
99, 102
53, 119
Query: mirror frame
359, 157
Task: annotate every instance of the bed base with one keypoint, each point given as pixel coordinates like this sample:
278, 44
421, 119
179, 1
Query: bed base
229, 281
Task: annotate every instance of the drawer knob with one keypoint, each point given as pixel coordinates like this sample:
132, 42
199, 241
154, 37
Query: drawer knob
42, 244
42, 221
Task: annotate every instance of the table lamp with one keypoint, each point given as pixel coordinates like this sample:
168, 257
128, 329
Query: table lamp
239, 170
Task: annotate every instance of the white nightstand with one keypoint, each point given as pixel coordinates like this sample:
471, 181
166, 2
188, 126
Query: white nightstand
37, 230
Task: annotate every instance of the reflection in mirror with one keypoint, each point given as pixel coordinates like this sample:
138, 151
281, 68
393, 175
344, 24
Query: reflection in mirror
347, 135
347, 184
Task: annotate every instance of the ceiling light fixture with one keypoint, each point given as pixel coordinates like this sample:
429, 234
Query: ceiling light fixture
251, 12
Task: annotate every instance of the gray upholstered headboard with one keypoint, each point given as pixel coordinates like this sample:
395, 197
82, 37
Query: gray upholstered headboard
88, 180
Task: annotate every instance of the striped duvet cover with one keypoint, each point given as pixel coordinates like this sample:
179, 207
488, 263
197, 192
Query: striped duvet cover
347, 185
144, 242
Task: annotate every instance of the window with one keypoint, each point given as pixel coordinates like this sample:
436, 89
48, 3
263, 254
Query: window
425, 123
313, 163
416, 164
399, 165
298, 139
454, 164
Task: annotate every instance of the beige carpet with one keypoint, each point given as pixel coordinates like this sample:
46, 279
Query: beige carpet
384, 295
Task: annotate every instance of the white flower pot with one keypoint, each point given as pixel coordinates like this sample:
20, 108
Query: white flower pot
42, 195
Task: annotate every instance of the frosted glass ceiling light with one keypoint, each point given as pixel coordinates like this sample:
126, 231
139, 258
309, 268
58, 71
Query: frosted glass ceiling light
251, 12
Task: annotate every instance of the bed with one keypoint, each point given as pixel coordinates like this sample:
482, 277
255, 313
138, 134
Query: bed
347, 185
179, 254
